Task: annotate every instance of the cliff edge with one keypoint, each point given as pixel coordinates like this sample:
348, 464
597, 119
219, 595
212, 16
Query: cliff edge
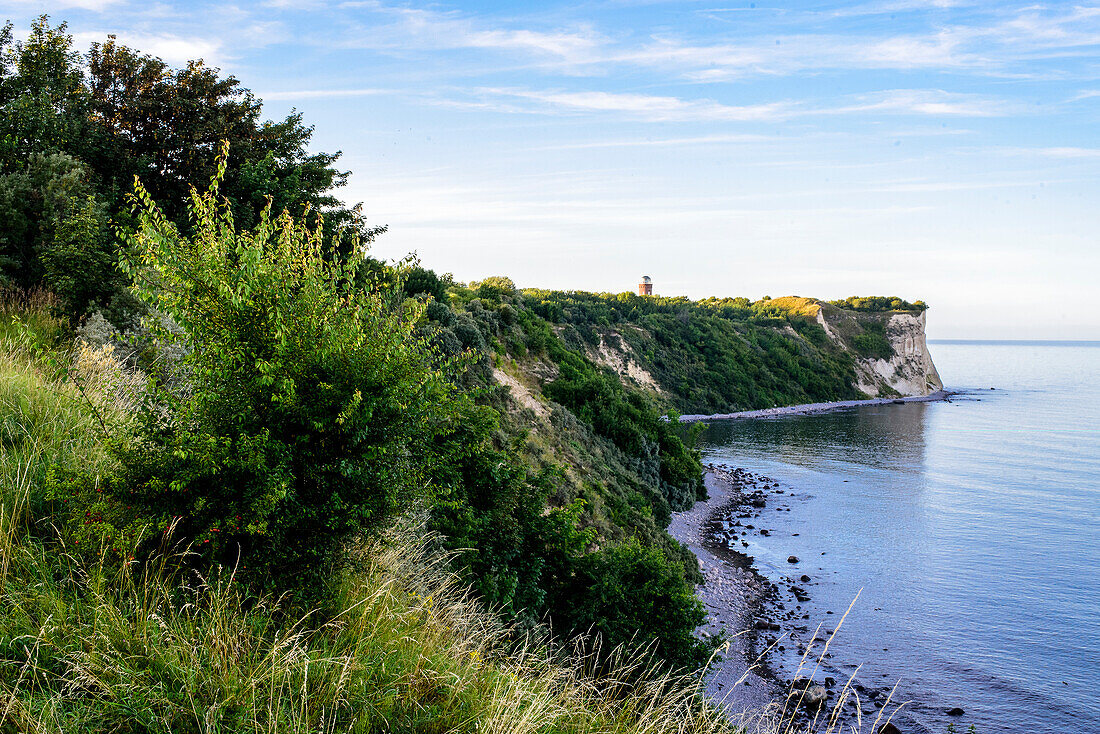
890, 350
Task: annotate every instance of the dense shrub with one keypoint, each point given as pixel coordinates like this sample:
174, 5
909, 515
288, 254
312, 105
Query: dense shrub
873, 344
876, 304
309, 405
632, 420
630, 592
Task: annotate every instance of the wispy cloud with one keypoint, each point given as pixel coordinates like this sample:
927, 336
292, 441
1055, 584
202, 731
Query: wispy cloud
933, 102
412, 28
93, 5
174, 49
1063, 152
673, 142
661, 108
292, 94
990, 42
649, 107
1085, 94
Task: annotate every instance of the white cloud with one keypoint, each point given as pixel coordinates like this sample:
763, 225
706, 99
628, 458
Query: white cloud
657, 108
733, 139
93, 5
934, 102
645, 106
426, 29
320, 93
1085, 94
1064, 152
174, 49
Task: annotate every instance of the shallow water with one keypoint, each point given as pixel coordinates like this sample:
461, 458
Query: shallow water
971, 528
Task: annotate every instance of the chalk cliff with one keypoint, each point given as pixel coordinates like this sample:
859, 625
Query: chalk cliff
908, 371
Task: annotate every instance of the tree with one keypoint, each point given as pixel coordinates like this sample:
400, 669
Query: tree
56, 232
42, 93
121, 114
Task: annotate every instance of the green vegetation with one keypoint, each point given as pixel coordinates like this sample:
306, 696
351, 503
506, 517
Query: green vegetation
716, 355
89, 646
873, 342
301, 387
875, 304
76, 130
299, 395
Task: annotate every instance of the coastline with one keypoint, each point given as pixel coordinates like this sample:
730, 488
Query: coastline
742, 603
809, 408
733, 595
759, 616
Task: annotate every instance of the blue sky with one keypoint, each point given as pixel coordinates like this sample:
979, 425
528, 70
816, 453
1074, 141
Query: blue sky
934, 149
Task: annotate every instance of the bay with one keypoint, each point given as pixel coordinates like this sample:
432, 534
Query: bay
968, 529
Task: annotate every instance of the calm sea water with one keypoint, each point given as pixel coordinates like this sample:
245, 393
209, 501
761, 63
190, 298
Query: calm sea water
971, 527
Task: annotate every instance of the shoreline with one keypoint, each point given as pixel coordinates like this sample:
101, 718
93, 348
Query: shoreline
758, 616
733, 594
810, 408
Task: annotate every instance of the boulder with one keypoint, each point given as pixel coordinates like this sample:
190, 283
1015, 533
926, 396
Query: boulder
955, 711
792, 559
815, 697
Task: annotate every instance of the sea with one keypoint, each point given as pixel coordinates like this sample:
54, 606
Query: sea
964, 535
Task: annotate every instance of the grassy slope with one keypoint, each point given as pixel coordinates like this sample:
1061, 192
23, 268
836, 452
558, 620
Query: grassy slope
724, 355
83, 651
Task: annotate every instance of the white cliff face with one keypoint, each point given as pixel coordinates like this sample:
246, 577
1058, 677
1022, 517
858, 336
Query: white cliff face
910, 370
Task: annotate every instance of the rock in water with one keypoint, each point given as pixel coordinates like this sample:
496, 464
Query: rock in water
889, 728
955, 711
792, 559
815, 697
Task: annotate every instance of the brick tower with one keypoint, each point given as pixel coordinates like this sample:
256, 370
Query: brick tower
645, 288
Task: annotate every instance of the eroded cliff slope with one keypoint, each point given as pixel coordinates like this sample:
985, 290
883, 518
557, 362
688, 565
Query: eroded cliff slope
904, 368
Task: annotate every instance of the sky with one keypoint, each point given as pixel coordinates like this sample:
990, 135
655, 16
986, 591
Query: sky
941, 150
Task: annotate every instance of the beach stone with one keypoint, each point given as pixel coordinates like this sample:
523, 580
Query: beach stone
804, 578
955, 711
816, 697
792, 559
889, 728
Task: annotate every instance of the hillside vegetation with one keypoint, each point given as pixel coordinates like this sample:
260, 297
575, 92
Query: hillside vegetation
722, 355
157, 645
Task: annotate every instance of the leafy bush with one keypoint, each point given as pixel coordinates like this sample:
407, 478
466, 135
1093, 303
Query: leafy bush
877, 304
630, 419
874, 345
421, 281
309, 406
630, 592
